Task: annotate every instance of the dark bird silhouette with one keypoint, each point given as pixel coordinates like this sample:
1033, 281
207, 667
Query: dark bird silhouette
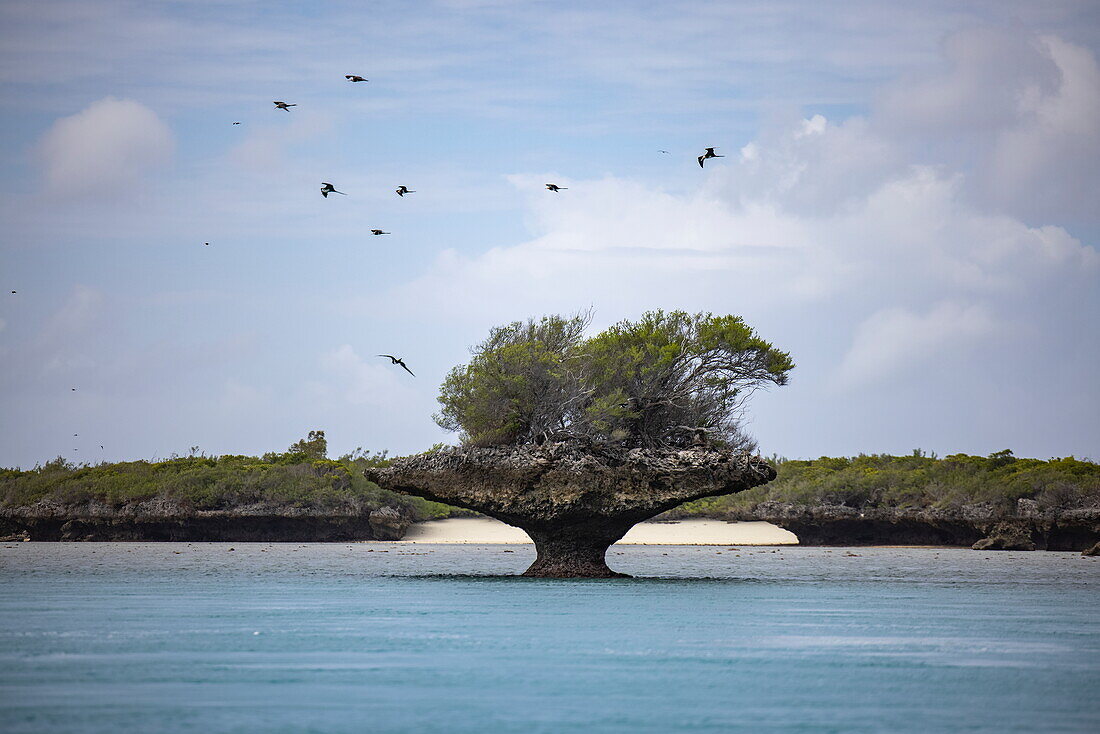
355, 78
663, 151
73, 389
327, 188
402, 190
100, 445
709, 154
378, 232
555, 187
207, 244
284, 106
236, 123
75, 435
398, 360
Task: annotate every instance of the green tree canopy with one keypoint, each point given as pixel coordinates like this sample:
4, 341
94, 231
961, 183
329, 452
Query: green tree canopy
314, 446
664, 380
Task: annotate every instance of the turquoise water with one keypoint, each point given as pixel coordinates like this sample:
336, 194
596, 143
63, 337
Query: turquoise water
167, 637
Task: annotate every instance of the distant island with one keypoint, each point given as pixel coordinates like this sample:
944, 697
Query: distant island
301, 495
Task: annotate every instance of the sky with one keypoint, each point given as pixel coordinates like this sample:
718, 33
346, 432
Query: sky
908, 203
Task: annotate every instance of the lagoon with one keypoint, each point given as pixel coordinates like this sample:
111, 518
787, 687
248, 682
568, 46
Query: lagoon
167, 637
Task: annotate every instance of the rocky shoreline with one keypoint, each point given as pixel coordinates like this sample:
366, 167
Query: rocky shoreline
164, 520
983, 527
986, 528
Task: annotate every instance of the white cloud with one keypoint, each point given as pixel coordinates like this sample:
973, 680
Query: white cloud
1046, 163
748, 237
895, 341
264, 146
1019, 109
361, 383
829, 241
106, 147
814, 126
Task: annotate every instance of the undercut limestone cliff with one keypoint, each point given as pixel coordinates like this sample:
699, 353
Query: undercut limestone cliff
573, 499
166, 520
985, 527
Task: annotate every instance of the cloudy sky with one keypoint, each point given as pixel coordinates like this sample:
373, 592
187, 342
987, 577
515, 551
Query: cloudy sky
909, 203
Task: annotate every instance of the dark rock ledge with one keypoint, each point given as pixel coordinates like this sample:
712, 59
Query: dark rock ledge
163, 519
574, 500
1027, 526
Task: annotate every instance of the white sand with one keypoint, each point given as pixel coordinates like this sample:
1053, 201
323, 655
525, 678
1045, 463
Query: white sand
485, 531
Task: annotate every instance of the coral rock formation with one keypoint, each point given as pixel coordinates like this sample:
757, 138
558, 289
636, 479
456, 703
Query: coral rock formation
573, 499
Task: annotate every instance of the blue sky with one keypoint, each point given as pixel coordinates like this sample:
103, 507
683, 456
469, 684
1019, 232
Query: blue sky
907, 204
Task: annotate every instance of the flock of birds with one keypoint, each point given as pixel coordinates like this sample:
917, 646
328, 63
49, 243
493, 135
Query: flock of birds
329, 188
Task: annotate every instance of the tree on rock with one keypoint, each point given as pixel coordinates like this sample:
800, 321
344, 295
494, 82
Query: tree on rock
575, 439
665, 380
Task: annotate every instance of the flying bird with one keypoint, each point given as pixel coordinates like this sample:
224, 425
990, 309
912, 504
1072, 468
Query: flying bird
709, 154
378, 232
284, 106
398, 360
663, 151
355, 78
236, 123
207, 244
555, 187
73, 389
402, 190
327, 188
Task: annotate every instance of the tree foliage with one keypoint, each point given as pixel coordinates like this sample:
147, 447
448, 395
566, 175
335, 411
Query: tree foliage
300, 479
314, 446
664, 380
870, 481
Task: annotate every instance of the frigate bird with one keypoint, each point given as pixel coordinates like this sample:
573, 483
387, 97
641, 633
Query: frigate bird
555, 187
327, 188
377, 232
709, 154
284, 106
402, 190
398, 360
355, 78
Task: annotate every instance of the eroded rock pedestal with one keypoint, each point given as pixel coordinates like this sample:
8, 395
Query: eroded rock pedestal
574, 500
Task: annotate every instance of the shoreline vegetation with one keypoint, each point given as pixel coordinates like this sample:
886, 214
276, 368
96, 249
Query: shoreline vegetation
997, 502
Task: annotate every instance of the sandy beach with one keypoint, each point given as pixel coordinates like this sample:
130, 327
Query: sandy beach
484, 531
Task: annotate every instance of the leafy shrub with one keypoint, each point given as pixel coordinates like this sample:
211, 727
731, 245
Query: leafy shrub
917, 481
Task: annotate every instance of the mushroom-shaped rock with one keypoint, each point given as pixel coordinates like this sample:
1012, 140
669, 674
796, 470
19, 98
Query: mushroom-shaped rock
573, 499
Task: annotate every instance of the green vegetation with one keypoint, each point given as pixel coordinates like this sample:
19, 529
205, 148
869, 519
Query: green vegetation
917, 481
303, 478
665, 380
300, 478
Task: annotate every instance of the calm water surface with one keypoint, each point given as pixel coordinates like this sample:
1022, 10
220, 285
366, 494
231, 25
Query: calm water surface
172, 637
